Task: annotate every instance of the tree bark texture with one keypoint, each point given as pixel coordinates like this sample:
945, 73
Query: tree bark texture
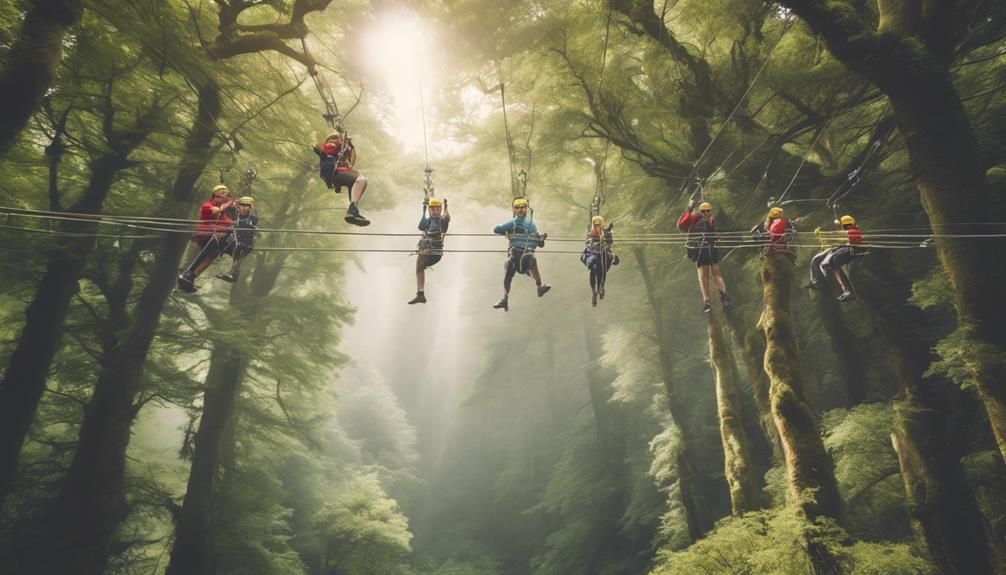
737, 464
810, 470
845, 345
91, 504
28, 367
31, 63
945, 516
907, 58
753, 355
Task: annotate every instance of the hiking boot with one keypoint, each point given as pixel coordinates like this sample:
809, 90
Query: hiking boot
353, 216
614, 260
186, 284
543, 289
593, 299
420, 298
706, 308
846, 296
503, 304
725, 301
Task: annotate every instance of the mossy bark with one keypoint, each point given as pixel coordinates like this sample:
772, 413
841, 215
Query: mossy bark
744, 493
753, 355
909, 59
945, 516
31, 63
810, 470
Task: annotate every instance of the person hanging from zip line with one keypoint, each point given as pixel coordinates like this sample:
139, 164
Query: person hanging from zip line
215, 222
524, 239
337, 156
597, 256
776, 232
832, 258
241, 241
431, 246
701, 247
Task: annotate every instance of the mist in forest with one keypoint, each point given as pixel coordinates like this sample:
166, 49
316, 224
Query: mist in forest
769, 339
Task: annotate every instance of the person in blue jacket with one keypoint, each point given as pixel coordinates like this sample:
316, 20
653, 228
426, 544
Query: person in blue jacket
524, 238
431, 246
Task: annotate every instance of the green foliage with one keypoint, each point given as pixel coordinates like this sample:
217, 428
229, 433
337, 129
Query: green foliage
777, 542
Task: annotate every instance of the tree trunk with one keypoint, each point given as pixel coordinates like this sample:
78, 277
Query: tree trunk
809, 468
844, 344
192, 553
736, 453
28, 367
91, 503
686, 454
945, 516
610, 432
753, 354
911, 68
32, 62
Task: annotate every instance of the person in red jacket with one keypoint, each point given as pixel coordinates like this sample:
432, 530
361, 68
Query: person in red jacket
776, 231
701, 245
337, 156
832, 259
215, 222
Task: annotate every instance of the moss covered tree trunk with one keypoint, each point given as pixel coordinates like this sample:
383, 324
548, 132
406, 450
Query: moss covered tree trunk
28, 366
809, 468
91, 503
737, 464
32, 61
945, 516
908, 57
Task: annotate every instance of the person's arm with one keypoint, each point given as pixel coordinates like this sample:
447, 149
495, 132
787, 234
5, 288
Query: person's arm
447, 215
686, 220
504, 228
424, 221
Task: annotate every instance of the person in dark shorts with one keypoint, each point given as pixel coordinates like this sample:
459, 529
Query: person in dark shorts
241, 241
524, 239
215, 223
337, 156
597, 256
431, 246
701, 246
833, 258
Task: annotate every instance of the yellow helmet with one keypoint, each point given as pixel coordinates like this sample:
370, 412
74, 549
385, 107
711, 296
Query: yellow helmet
705, 206
847, 220
332, 136
775, 212
218, 188
520, 202
436, 203
597, 221
246, 201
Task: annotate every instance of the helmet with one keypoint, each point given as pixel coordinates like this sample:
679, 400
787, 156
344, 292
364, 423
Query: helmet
775, 212
332, 136
847, 220
436, 203
246, 201
705, 206
520, 202
218, 188
597, 221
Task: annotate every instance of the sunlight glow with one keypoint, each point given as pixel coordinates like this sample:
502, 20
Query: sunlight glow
398, 53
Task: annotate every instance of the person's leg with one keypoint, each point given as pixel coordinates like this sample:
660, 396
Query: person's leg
536, 274
208, 256
704, 281
359, 187
420, 272
720, 284
817, 276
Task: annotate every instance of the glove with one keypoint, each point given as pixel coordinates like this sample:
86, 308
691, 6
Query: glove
691, 205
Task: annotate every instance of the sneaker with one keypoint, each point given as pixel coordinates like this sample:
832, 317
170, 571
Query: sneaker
614, 260
543, 289
186, 284
706, 308
846, 296
593, 299
354, 217
503, 304
725, 301
600, 292
420, 298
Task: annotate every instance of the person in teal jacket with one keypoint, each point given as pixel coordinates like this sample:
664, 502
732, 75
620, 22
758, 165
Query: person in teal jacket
524, 238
